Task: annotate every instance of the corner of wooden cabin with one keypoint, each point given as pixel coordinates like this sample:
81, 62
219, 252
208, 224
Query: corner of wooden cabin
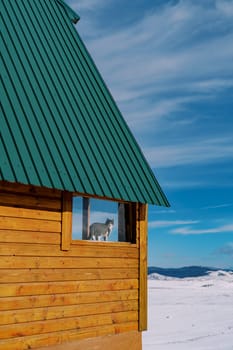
59, 294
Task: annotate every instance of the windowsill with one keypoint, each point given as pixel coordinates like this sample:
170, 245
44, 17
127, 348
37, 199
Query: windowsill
103, 243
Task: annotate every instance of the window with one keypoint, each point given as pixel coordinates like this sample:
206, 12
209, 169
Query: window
102, 220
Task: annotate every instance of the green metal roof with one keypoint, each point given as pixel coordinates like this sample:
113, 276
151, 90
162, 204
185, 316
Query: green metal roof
60, 125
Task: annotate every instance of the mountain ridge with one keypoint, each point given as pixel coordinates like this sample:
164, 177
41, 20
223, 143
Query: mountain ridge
185, 271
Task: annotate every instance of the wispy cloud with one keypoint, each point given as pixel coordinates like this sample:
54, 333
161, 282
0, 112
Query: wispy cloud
168, 223
212, 85
146, 114
174, 55
217, 206
159, 67
225, 6
171, 48
179, 183
185, 227
203, 151
227, 249
190, 231
87, 5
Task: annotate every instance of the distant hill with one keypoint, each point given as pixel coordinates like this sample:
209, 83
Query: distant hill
183, 272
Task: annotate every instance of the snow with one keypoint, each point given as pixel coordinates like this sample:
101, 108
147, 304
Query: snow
190, 313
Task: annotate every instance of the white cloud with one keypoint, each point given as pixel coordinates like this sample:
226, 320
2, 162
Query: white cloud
100, 216
172, 56
86, 5
157, 66
217, 206
211, 85
226, 250
174, 48
195, 152
143, 114
187, 46
190, 231
225, 6
182, 184
168, 223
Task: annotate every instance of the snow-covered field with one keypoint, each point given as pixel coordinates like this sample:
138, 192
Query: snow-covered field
191, 313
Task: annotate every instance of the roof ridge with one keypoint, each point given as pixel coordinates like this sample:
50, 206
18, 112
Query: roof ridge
71, 13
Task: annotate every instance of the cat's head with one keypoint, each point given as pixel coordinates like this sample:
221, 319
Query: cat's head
109, 222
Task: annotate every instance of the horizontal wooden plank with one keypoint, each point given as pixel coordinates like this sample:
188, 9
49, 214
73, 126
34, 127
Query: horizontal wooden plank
25, 302
83, 251
32, 342
127, 340
22, 224
27, 262
69, 323
114, 249
19, 289
14, 236
27, 201
48, 313
43, 275
29, 213
28, 189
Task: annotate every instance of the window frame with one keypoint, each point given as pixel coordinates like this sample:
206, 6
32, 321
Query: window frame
66, 221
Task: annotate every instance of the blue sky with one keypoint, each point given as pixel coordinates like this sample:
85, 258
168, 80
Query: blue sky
169, 66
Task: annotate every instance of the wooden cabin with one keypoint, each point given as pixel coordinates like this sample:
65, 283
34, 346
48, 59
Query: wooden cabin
68, 160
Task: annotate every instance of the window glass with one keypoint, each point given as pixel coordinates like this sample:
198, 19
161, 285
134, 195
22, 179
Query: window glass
77, 213
101, 220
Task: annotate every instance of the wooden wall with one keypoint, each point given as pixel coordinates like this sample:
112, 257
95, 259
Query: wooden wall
127, 340
49, 296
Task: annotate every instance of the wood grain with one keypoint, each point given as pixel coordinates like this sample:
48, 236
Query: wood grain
56, 290
57, 312
34, 301
54, 339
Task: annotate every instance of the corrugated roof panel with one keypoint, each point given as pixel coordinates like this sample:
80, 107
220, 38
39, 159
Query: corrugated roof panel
87, 111
62, 128
71, 13
103, 109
